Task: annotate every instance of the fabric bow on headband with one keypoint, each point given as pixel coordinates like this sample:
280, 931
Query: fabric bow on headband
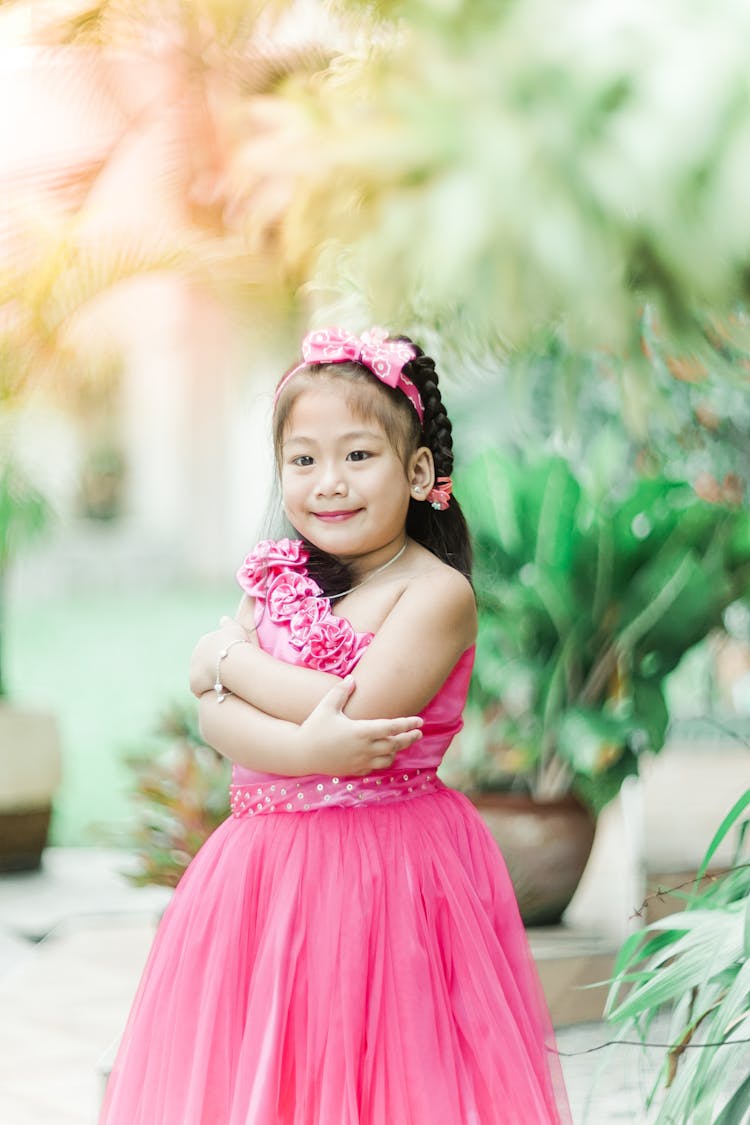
383, 357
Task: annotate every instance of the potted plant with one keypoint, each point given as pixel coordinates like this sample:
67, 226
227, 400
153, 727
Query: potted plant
29, 740
588, 598
694, 967
181, 795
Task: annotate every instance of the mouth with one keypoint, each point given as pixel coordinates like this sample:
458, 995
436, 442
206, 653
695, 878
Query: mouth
336, 517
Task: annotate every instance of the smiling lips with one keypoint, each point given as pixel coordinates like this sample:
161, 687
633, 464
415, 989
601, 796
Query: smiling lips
336, 517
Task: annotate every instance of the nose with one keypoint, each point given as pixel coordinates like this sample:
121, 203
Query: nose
330, 481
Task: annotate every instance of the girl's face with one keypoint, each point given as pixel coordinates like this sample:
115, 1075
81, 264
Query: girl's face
343, 484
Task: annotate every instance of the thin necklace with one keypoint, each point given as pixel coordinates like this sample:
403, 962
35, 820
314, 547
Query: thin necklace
378, 570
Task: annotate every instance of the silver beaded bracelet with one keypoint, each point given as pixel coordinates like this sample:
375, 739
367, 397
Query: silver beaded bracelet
221, 691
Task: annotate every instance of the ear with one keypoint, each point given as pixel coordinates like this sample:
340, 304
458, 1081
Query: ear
421, 473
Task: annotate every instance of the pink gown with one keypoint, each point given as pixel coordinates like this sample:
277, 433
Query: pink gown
341, 951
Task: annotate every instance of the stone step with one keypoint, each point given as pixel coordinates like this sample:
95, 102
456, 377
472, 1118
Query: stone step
63, 1003
574, 967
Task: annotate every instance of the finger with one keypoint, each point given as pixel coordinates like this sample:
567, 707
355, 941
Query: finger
401, 741
410, 722
381, 743
339, 694
382, 762
396, 743
391, 728
393, 743
380, 730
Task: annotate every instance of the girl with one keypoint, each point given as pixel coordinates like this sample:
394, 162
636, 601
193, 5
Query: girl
346, 948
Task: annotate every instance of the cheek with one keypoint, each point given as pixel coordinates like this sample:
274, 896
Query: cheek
291, 486
289, 502
293, 506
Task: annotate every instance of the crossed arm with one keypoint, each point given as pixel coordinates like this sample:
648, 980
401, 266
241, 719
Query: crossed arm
291, 720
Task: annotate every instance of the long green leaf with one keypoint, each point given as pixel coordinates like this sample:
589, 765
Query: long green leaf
683, 966
729, 820
660, 605
734, 1006
735, 1112
709, 1069
559, 499
635, 949
603, 579
488, 494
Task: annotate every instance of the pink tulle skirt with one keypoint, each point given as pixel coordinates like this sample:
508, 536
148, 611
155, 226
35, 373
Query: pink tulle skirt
358, 966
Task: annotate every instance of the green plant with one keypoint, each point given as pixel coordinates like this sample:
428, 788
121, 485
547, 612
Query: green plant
697, 963
181, 796
588, 597
24, 513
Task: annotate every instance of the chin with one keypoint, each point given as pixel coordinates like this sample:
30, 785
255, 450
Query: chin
325, 540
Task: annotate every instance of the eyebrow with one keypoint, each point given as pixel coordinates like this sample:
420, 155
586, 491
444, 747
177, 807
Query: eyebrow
352, 435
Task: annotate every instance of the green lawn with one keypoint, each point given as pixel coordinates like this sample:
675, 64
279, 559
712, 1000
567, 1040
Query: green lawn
107, 665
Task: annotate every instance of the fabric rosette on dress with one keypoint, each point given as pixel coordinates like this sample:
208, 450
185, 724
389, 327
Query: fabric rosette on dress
275, 575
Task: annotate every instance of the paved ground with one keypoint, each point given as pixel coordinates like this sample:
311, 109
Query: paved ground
64, 999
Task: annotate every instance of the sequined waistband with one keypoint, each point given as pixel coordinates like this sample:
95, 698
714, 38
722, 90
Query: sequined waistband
305, 794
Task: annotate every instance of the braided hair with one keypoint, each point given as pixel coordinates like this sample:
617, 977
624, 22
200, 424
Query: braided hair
444, 533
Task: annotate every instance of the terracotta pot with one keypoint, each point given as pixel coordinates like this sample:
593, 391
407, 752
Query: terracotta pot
23, 836
546, 846
30, 760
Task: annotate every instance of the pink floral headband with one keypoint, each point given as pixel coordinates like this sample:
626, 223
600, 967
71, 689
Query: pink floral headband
385, 358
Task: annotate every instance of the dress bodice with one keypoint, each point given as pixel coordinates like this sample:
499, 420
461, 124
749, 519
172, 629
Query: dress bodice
296, 623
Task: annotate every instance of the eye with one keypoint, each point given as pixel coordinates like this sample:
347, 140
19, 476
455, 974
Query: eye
303, 461
358, 455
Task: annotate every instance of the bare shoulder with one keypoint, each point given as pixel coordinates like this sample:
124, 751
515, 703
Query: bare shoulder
425, 631
443, 592
450, 582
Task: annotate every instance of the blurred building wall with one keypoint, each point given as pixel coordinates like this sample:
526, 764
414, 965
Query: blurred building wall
193, 407
196, 420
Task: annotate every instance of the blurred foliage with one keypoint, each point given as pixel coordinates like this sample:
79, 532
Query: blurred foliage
181, 796
588, 597
24, 514
173, 92
49, 278
24, 511
498, 166
666, 418
482, 168
696, 964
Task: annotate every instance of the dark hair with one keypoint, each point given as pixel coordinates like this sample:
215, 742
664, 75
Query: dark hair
444, 533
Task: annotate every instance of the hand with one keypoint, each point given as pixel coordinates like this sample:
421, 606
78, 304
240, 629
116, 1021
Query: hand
206, 653
336, 745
